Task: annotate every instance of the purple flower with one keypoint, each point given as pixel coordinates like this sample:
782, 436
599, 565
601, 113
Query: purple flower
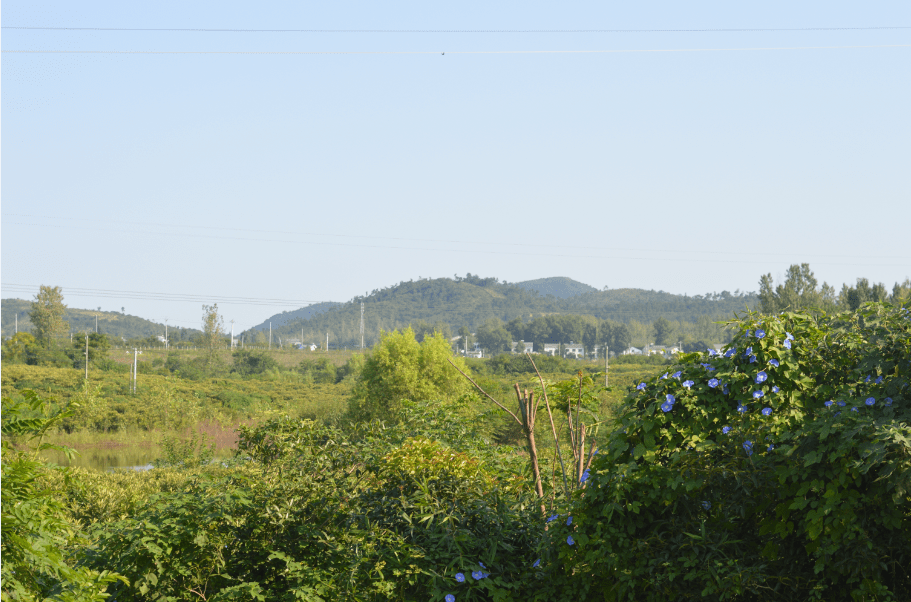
477, 575
761, 377
706, 505
640, 386
725, 389
726, 430
787, 344
766, 411
667, 407
879, 379
663, 377
870, 401
760, 333
570, 540
752, 359
460, 577
551, 519
741, 408
770, 448
841, 404
888, 401
569, 521
853, 409
482, 564
774, 362
749, 351
449, 598
730, 352
585, 476
788, 336
867, 379
758, 394
670, 398
829, 404
712, 352
775, 389
713, 382
749, 333
537, 562
688, 383
837, 414
748, 447
677, 374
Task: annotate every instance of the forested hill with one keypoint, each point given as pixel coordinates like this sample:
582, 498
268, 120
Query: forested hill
560, 287
471, 301
112, 323
304, 313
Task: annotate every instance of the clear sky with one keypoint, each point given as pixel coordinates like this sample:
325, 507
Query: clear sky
311, 177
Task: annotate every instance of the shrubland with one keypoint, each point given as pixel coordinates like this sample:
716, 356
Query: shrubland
775, 470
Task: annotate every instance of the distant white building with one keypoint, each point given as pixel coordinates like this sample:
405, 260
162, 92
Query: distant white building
551, 349
575, 350
529, 347
631, 351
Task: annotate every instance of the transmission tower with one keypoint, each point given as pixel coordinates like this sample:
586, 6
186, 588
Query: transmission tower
362, 324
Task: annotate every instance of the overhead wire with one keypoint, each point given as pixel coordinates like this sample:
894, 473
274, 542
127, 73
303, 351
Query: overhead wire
693, 30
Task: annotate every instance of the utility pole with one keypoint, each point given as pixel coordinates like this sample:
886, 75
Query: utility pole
86, 357
166, 339
232, 334
606, 364
17, 322
96, 323
327, 342
270, 335
362, 325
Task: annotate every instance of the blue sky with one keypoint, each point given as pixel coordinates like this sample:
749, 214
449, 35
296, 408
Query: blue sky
320, 177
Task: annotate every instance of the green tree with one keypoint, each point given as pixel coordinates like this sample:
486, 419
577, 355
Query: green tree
213, 326
399, 368
47, 315
800, 290
493, 337
664, 331
98, 343
621, 338
18, 348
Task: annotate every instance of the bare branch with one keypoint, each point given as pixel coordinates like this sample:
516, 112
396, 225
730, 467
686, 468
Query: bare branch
550, 415
478, 387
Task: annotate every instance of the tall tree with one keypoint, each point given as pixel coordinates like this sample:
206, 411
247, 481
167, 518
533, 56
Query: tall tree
213, 326
800, 290
664, 331
47, 315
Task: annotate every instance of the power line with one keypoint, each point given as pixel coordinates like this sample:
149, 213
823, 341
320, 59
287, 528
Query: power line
153, 296
708, 30
420, 240
444, 52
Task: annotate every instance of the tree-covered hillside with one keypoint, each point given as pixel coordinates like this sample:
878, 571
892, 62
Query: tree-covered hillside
560, 287
472, 301
304, 313
111, 323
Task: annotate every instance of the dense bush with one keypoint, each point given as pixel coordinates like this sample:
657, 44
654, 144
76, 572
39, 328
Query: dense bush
778, 470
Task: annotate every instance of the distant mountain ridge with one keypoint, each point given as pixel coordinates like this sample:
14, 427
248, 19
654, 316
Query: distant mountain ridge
112, 323
471, 301
558, 286
304, 313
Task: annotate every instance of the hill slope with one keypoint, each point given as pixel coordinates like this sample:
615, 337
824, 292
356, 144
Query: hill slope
112, 323
559, 286
304, 313
471, 303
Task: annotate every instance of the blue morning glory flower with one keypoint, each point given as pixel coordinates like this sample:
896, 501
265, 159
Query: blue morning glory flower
477, 575
841, 404
761, 377
585, 476
551, 519
449, 598
748, 447
766, 411
888, 401
867, 379
712, 352
677, 374
879, 379
713, 382
482, 564
837, 414
741, 408
774, 362
663, 377
758, 394
730, 352
749, 333
770, 448
853, 409
667, 407
749, 351
788, 336
752, 359
829, 404
707, 505
775, 389
570, 540
460, 577
725, 389
760, 333
726, 430
537, 562
569, 521
787, 344
870, 401
688, 383
670, 398
640, 386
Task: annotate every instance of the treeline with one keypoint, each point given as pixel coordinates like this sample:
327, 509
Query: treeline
801, 290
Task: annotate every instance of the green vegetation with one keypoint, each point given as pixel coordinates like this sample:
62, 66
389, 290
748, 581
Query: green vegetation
560, 287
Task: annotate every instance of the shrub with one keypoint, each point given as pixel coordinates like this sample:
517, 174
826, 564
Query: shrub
779, 469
